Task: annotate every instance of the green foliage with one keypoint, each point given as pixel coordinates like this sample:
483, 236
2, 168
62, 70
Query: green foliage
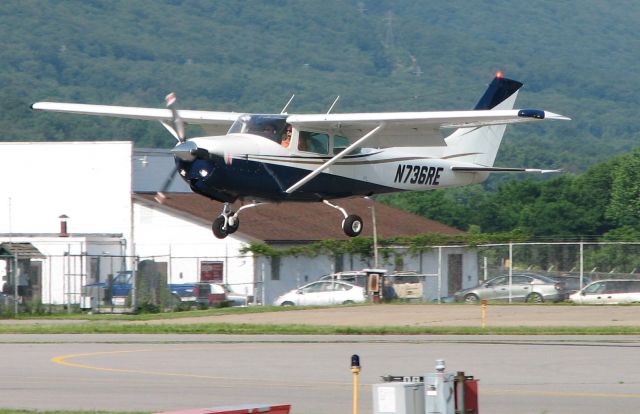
358, 245
363, 246
624, 208
252, 55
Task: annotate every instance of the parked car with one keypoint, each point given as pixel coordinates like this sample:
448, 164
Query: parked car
212, 294
354, 277
572, 283
322, 292
115, 290
608, 292
183, 291
525, 287
406, 285
218, 294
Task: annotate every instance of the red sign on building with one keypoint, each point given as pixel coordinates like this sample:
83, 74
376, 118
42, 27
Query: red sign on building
211, 271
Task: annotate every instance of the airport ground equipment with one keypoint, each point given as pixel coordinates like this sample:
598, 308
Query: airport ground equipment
437, 392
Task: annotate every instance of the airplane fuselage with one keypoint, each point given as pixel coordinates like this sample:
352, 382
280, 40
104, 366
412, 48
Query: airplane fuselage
262, 170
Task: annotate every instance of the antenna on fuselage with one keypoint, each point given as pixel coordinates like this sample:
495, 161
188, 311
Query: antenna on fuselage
284, 110
333, 104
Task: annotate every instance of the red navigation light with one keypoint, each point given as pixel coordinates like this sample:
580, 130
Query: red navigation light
499, 74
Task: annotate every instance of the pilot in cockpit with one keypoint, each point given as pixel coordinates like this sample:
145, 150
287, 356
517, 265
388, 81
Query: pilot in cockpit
286, 138
269, 131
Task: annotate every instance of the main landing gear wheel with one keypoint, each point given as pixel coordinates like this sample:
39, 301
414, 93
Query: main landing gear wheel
233, 222
352, 225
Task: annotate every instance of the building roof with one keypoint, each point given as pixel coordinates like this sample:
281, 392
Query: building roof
303, 222
20, 250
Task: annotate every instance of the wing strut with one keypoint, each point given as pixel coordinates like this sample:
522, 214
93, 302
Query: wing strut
333, 160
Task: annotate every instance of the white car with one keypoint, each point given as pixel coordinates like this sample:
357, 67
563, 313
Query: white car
608, 292
322, 292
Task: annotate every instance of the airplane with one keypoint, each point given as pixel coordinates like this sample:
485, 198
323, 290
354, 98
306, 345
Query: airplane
266, 158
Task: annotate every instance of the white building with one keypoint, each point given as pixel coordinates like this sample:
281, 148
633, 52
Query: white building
104, 191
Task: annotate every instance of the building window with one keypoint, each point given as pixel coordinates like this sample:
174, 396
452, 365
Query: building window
275, 268
338, 262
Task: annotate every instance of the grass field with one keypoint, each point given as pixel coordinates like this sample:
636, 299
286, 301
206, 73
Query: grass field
163, 323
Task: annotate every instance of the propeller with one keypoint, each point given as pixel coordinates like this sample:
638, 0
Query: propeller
184, 150
177, 129
177, 124
160, 197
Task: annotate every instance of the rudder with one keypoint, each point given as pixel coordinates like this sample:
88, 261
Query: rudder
479, 145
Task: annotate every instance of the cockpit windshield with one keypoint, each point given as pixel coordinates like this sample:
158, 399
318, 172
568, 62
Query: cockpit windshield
268, 126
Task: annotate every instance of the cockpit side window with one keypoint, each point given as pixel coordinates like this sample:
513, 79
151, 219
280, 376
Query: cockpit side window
240, 125
317, 142
268, 126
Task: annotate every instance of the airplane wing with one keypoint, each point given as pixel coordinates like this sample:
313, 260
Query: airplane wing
414, 129
213, 122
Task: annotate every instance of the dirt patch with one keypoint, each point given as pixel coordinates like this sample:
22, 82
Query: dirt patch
437, 315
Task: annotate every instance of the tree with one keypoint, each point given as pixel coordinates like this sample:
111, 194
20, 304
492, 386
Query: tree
624, 208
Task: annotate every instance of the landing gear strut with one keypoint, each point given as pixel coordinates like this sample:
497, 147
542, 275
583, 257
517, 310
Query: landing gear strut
228, 222
352, 224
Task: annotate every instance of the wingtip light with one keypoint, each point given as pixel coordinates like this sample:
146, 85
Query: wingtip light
499, 74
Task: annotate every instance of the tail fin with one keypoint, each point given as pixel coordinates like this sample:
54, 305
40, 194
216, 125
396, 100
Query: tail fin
479, 145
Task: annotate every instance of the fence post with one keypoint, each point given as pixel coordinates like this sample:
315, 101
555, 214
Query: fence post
581, 265
510, 269
439, 274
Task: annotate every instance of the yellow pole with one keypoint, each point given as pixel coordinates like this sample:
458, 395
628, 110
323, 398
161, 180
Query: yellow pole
483, 306
355, 369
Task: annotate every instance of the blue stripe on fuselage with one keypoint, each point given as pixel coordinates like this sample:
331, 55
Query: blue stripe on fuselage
246, 178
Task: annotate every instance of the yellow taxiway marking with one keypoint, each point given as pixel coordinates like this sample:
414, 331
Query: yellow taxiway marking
65, 360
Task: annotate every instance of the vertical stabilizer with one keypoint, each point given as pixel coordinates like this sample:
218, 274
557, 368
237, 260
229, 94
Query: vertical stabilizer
479, 145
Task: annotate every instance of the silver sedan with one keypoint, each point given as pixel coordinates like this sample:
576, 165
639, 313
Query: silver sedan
523, 288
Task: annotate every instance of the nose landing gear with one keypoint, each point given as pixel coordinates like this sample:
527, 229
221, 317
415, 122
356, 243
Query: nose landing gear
228, 222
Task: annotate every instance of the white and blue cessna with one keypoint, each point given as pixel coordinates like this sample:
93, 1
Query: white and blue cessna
330, 156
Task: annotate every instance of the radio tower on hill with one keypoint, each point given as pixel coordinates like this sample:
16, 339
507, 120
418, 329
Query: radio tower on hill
388, 38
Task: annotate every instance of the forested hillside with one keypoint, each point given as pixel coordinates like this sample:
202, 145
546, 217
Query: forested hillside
576, 57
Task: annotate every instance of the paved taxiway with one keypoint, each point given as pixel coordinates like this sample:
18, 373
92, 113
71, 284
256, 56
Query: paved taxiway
539, 374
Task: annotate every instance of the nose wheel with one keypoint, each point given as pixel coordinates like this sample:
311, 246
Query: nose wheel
228, 222
223, 226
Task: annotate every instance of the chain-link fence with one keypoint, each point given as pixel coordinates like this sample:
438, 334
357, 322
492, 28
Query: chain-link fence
112, 283
592, 260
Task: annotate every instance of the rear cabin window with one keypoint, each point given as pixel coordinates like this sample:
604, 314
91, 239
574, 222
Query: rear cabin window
341, 143
317, 142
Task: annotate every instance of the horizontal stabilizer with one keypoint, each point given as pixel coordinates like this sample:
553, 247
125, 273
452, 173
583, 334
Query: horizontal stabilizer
502, 169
